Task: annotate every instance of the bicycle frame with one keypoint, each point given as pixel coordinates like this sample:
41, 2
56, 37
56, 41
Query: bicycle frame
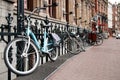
33, 37
27, 51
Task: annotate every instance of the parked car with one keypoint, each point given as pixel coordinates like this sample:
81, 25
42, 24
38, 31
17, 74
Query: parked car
118, 36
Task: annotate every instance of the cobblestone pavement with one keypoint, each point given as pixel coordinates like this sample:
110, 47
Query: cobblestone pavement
97, 63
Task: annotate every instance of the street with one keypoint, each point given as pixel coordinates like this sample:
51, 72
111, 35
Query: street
97, 63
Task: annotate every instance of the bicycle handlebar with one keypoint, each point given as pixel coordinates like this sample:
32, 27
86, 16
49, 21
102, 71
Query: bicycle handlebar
36, 9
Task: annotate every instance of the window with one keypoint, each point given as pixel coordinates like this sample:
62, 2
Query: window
67, 9
31, 4
52, 10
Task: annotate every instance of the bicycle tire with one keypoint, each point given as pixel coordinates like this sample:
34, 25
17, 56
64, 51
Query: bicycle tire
72, 45
21, 64
53, 55
99, 40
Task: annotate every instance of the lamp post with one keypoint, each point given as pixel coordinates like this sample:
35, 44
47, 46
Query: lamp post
20, 15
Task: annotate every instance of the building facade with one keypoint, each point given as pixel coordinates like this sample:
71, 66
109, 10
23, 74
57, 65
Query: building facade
115, 18
101, 16
110, 12
83, 11
89, 14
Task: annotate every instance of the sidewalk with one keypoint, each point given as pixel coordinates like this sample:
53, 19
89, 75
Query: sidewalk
97, 63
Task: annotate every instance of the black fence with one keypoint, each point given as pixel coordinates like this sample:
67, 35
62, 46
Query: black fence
8, 32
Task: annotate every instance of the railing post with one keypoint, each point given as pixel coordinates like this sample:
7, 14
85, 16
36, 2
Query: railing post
9, 20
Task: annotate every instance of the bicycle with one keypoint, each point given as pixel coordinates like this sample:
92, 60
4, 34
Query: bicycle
95, 38
26, 50
72, 43
86, 37
99, 39
83, 36
91, 38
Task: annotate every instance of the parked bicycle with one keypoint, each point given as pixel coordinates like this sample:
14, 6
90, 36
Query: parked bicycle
91, 38
71, 42
26, 50
99, 38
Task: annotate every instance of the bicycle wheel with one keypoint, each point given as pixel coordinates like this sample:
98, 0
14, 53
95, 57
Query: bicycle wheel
72, 45
19, 62
53, 55
99, 40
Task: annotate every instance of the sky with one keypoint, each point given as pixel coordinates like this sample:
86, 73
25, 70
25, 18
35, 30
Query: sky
113, 1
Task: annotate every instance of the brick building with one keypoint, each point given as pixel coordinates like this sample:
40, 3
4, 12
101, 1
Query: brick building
115, 18
110, 13
101, 7
83, 11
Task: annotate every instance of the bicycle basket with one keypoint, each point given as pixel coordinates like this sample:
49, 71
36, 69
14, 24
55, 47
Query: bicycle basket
56, 39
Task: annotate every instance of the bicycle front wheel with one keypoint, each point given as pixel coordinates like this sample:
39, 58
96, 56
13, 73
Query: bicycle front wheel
18, 60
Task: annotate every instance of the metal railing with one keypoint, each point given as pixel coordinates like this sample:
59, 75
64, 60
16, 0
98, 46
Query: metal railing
8, 32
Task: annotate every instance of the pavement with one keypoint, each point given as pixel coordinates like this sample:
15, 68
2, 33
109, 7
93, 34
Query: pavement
97, 63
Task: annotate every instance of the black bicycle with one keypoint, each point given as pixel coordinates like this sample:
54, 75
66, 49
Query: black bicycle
72, 42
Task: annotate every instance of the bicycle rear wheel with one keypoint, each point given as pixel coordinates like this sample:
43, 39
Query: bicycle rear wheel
19, 62
53, 55
99, 40
72, 45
